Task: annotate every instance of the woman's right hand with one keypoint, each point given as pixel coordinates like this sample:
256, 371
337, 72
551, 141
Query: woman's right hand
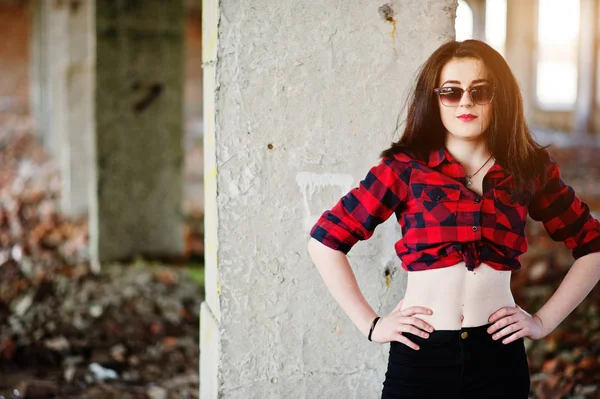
390, 328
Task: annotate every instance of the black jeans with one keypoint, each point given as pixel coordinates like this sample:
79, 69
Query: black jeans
465, 364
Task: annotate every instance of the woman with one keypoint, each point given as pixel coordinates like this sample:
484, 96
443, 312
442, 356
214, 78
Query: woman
461, 181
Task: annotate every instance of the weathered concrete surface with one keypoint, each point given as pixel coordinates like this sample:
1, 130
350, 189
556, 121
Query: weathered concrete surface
300, 98
62, 71
520, 48
139, 116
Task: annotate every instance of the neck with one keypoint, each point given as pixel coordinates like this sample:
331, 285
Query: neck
471, 154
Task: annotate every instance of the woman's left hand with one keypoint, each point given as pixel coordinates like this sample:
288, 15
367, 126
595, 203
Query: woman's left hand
511, 323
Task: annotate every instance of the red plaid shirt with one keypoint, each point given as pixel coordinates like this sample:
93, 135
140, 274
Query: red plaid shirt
443, 222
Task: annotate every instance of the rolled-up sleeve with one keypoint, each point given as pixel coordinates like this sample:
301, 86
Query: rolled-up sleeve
564, 216
355, 216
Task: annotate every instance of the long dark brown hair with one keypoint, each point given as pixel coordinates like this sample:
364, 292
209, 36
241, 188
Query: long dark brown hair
508, 138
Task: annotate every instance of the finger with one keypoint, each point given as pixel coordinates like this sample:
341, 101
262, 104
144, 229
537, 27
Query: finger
518, 333
513, 337
420, 323
502, 312
423, 325
504, 332
416, 321
413, 330
501, 323
417, 309
407, 342
496, 315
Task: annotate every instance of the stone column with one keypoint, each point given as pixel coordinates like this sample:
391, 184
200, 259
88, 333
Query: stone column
587, 67
478, 10
139, 124
521, 31
300, 98
38, 82
62, 90
596, 113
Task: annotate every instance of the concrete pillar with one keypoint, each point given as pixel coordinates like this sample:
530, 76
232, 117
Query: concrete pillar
62, 93
300, 98
521, 31
38, 76
139, 114
587, 67
596, 113
478, 10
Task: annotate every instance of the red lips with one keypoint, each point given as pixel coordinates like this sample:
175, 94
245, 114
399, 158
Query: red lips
467, 117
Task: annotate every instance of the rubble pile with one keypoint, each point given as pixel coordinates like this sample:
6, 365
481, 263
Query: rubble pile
130, 331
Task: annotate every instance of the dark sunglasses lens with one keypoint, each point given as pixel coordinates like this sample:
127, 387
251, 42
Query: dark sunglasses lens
482, 94
451, 95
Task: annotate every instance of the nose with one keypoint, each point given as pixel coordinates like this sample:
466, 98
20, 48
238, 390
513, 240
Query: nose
466, 100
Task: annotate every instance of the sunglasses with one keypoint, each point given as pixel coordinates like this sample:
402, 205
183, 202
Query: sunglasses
480, 94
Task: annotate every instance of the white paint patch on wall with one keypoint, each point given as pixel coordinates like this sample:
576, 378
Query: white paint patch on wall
310, 183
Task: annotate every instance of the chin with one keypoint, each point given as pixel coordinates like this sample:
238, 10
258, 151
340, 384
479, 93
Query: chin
466, 134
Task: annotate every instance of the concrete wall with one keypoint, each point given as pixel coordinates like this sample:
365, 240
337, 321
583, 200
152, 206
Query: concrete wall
300, 97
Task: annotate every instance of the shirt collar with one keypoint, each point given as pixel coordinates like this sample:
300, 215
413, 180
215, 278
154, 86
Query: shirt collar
441, 154
437, 156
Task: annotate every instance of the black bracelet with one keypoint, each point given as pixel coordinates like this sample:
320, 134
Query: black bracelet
373, 326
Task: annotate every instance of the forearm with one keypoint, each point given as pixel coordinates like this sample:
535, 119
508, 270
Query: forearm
340, 281
577, 284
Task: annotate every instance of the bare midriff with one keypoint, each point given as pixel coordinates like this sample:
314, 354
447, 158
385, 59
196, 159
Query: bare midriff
458, 297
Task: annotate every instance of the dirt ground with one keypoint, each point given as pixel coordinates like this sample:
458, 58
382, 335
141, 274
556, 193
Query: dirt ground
131, 331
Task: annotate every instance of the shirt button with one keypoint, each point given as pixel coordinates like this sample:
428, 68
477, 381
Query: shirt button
477, 200
464, 335
474, 228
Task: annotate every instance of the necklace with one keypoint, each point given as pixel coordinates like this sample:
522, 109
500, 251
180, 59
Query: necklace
469, 177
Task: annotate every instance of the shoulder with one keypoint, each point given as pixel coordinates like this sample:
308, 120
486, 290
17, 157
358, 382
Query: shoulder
549, 183
400, 165
405, 157
394, 166
544, 156
393, 171
547, 167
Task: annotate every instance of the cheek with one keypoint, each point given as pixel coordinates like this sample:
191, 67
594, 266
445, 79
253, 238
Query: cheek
486, 113
447, 114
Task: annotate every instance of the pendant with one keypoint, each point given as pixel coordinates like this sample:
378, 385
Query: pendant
469, 182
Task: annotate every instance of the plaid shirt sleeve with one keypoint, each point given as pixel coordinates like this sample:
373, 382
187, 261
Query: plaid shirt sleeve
565, 217
355, 216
